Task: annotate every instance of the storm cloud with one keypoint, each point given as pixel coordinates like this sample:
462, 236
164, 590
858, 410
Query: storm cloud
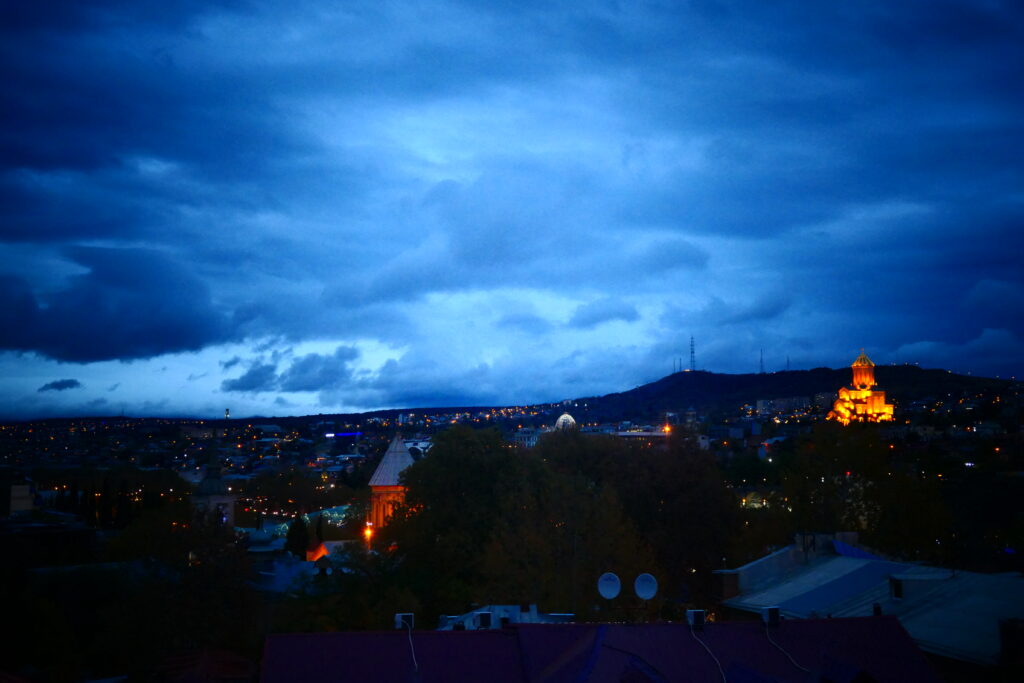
60, 385
375, 205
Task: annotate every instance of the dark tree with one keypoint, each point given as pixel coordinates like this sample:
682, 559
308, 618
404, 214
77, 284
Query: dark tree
297, 539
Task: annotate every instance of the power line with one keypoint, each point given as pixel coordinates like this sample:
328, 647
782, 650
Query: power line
720, 669
412, 649
793, 661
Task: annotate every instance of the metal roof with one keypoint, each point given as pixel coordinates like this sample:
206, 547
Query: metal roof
396, 459
947, 612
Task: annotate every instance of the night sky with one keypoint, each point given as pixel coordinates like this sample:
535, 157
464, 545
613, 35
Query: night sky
305, 207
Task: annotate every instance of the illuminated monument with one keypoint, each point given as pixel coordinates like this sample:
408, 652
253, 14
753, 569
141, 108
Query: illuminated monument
387, 492
859, 402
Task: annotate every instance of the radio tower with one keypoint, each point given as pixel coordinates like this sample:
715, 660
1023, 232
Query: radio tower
762, 361
693, 356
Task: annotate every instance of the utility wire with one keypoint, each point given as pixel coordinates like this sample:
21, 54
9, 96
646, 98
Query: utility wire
411, 648
779, 647
704, 645
639, 658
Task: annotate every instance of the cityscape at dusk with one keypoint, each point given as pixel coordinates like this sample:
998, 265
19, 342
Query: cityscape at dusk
301, 208
422, 342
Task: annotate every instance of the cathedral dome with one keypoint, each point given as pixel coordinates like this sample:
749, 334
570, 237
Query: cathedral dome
565, 422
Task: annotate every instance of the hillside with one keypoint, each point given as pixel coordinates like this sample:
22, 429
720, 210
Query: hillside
708, 391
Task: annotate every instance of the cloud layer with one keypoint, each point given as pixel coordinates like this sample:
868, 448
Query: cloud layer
351, 206
60, 385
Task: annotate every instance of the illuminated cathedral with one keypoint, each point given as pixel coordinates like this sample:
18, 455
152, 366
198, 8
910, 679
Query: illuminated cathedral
859, 402
386, 490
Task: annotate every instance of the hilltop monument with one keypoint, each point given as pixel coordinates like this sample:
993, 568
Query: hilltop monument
860, 402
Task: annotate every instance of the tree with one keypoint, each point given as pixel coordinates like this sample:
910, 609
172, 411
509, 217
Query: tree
552, 541
450, 512
673, 497
829, 478
297, 540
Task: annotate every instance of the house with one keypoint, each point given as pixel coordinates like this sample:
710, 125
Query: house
500, 616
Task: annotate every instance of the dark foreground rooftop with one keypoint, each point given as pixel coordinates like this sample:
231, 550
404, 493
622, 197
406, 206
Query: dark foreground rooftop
840, 650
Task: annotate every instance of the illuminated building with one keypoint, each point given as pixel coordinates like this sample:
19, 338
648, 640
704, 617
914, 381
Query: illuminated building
386, 492
565, 422
859, 402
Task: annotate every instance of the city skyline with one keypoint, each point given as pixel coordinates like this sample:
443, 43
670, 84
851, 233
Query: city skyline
318, 209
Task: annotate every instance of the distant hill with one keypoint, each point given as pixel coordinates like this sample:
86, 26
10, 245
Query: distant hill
704, 391
707, 391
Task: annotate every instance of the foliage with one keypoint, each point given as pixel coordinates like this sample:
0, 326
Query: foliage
847, 478
364, 590
486, 523
674, 498
175, 585
297, 540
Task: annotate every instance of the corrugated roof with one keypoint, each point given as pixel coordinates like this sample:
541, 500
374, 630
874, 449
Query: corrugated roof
951, 613
396, 459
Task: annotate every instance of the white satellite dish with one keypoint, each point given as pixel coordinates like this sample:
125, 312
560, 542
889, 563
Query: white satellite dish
646, 586
608, 585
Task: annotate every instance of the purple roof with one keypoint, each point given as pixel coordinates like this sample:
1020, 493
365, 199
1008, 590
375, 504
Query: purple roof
554, 653
385, 656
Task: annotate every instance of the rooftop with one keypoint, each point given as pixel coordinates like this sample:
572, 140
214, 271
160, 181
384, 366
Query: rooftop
396, 459
947, 612
840, 649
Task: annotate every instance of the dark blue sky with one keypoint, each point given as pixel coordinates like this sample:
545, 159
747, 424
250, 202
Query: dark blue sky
317, 206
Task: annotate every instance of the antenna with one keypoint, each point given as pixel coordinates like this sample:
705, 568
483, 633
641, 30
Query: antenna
645, 586
608, 585
787, 363
693, 356
762, 361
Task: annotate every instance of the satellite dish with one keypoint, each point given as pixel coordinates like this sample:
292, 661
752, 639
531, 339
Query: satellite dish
608, 585
645, 586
